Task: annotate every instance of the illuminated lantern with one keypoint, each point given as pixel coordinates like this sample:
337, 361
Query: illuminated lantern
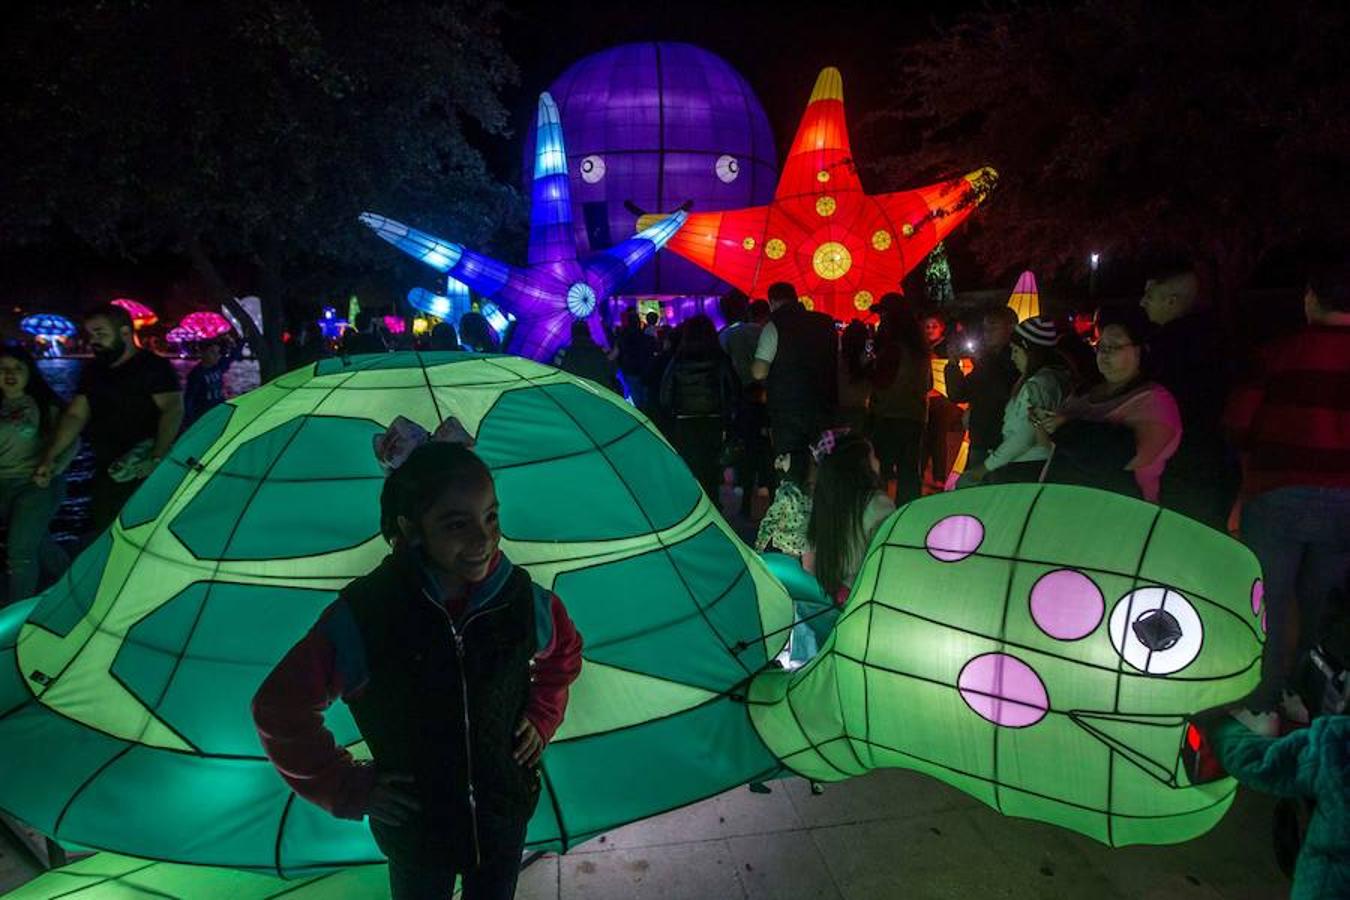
124, 690
50, 329
330, 326
421, 325
206, 325
1042, 648
180, 335
141, 315
253, 307
395, 324
821, 233
1025, 299
555, 287
652, 127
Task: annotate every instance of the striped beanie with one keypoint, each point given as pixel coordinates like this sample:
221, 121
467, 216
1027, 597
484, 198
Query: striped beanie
1038, 330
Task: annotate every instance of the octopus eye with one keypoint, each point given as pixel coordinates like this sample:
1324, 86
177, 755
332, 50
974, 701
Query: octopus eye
727, 168
592, 169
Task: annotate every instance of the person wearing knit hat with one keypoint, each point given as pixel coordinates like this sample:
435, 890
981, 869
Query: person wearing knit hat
1044, 383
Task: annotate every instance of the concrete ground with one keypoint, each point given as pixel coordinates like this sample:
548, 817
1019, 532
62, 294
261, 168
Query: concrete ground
891, 834
896, 834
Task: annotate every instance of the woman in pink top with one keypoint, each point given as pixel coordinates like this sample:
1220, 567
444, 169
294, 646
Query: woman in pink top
1126, 399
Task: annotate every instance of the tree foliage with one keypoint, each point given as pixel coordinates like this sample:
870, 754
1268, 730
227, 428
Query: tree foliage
248, 134
1135, 129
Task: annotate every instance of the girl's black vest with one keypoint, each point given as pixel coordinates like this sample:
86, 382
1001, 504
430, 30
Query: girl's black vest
442, 703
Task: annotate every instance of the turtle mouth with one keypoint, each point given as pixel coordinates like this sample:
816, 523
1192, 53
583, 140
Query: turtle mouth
1170, 748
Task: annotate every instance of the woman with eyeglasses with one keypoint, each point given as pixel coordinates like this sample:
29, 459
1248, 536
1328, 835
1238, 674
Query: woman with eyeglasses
1118, 434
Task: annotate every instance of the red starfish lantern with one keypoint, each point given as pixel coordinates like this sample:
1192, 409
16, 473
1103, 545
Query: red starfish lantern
839, 247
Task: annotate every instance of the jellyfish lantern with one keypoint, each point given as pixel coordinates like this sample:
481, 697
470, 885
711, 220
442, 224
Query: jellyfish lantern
1025, 299
141, 315
206, 325
556, 286
49, 329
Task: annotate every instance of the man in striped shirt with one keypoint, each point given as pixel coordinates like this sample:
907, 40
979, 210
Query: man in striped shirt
1295, 426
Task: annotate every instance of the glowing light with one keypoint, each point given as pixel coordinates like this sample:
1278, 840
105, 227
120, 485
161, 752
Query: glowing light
727, 168
825, 206
581, 299
421, 325
205, 324
862, 301
907, 230
881, 240
748, 243
807, 301
775, 248
822, 176
831, 260
141, 315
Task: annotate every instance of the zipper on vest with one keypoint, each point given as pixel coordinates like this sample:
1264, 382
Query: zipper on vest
458, 637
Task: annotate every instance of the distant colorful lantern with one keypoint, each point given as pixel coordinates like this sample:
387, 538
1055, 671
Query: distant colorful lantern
141, 315
48, 325
395, 324
206, 325
180, 335
1025, 299
330, 326
652, 127
821, 233
555, 287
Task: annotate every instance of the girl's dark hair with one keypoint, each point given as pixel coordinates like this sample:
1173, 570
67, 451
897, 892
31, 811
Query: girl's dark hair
49, 403
414, 487
845, 484
698, 339
853, 347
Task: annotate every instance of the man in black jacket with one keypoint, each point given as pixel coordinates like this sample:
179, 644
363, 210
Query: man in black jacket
1186, 356
797, 356
988, 386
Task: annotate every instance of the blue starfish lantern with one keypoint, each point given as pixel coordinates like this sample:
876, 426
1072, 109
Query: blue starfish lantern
554, 287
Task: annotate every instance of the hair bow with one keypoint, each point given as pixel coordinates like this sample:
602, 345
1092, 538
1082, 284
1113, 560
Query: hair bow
403, 436
828, 440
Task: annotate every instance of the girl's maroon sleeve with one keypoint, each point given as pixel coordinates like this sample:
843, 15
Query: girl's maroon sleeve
556, 666
288, 713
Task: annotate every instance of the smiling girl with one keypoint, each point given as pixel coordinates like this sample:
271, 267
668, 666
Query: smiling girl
455, 666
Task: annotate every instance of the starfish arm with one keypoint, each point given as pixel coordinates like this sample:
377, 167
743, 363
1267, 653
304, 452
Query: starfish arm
551, 235
482, 273
821, 159
611, 267
926, 215
728, 244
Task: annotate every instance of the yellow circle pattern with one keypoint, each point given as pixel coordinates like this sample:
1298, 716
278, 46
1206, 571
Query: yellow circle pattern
825, 206
774, 248
907, 230
831, 260
881, 240
862, 301
822, 176
807, 301
748, 243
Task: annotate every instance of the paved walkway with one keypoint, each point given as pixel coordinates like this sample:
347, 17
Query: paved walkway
896, 834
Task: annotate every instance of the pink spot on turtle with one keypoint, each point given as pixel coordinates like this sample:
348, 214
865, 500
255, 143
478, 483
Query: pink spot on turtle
1004, 690
1258, 596
1264, 630
1066, 604
954, 538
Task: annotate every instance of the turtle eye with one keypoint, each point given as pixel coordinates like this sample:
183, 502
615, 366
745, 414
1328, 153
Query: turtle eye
592, 169
1156, 630
727, 168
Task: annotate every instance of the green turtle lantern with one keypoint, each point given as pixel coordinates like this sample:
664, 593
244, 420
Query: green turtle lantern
1040, 647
